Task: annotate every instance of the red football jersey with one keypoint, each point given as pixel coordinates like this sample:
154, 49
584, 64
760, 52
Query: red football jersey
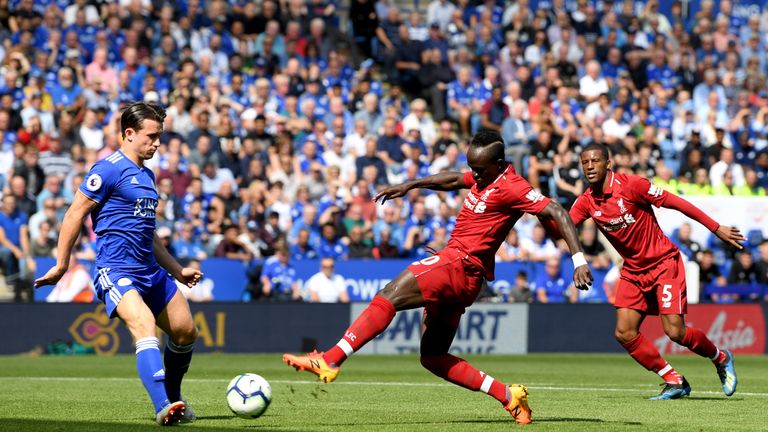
487, 216
624, 214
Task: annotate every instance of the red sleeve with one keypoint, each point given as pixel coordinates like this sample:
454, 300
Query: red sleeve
675, 202
468, 179
523, 198
644, 192
579, 212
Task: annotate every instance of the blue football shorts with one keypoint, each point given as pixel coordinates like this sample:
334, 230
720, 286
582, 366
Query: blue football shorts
155, 286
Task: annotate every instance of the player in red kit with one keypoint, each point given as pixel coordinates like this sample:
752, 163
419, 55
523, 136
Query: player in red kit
449, 281
652, 281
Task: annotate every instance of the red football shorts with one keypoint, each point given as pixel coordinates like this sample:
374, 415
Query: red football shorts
660, 290
448, 283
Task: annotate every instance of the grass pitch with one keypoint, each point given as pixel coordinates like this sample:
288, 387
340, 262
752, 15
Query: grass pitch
383, 393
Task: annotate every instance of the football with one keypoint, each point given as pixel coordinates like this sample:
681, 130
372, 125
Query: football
249, 395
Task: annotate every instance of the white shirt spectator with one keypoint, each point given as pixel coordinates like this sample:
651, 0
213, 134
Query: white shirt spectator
327, 289
440, 11
93, 138
201, 292
590, 87
612, 128
720, 167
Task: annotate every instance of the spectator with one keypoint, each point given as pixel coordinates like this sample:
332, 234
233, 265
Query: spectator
187, 245
521, 292
43, 243
494, 111
330, 244
594, 251
510, 250
683, 240
56, 161
551, 286
278, 277
231, 247
76, 286
326, 286
711, 278
202, 291
744, 270
302, 249
762, 263
14, 248
385, 247
539, 248
25, 200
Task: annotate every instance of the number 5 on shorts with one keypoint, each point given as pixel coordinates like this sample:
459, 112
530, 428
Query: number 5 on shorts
666, 296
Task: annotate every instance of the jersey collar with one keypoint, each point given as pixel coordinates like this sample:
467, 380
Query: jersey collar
607, 189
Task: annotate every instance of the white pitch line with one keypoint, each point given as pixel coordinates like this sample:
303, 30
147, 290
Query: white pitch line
540, 386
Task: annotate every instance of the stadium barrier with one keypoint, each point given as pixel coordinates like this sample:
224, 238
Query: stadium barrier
229, 327
486, 328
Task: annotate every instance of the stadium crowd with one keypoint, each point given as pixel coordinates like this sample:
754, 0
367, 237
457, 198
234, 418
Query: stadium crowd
284, 119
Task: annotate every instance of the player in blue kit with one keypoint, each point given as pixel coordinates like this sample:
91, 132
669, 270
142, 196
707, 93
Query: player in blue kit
133, 267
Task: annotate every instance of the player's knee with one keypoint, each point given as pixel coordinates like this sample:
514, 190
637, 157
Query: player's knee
625, 335
675, 333
186, 336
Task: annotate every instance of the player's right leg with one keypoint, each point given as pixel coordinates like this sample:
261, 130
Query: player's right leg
176, 321
400, 294
438, 331
643, 350
141, 323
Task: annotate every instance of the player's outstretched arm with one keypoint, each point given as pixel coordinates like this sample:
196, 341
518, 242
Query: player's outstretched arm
730, 235
186, 275
70, 230
582, 276
448, 181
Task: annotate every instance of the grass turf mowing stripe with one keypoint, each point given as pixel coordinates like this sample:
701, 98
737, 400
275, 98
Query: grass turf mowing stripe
638, 388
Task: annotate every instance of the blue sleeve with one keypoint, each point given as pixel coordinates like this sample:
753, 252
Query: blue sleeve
100, 181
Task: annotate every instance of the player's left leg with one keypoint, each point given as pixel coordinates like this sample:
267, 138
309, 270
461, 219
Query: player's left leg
698, 342
401, 293
672, 306
175, 319
438, 331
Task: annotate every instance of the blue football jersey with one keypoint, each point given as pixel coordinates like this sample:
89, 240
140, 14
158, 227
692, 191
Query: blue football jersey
124, 220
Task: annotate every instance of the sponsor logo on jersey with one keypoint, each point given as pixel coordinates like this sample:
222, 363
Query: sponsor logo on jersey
134, 181
477, 205
93, 183
145, 207
598, 213
620, 222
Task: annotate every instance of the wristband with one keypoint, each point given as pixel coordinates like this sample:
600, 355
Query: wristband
578, 259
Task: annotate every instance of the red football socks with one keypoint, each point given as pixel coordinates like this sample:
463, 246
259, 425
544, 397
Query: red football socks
698, 342
645, 353
459, 372
372, 322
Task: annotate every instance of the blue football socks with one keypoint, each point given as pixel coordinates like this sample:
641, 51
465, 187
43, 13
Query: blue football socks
150, 367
